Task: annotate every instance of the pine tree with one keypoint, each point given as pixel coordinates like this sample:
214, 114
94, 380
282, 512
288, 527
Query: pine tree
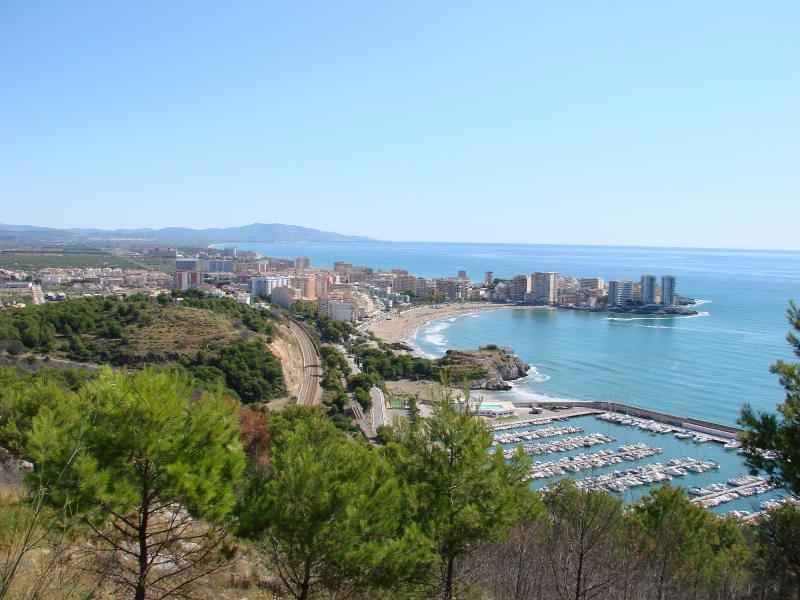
772, 443
462, 494
152, 459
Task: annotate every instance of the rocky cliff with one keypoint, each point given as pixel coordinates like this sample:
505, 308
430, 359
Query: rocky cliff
487, 369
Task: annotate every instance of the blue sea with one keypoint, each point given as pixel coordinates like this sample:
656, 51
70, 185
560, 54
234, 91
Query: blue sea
704, 366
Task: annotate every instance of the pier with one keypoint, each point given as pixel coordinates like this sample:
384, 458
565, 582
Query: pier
716, 431
753, 487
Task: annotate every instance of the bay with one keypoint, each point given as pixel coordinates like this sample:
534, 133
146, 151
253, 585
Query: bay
705, 366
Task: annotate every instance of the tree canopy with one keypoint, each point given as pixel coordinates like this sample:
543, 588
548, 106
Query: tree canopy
772, 441
140, 457
327, 511
464, 495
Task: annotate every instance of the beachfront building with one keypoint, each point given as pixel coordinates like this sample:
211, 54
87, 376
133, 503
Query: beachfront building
669, 295
544, 287
620, 292
462, 275
520, 286
302, 262
452, 288
591, 283
647, 289
489, 278
402, 284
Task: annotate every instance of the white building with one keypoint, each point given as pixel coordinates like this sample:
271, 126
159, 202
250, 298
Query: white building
669, 294
620, 292
338, 310
520, 286
221, 265
186, 264
544, 287
648, 289
263, 286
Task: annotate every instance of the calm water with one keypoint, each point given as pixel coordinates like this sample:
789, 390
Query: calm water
730, 463
705, 366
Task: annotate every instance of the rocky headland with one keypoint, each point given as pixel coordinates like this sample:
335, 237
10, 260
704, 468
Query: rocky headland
489, 368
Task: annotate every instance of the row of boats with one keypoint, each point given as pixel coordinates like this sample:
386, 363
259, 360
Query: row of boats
730, 496
715, 488
778, 502
655, 427
564, 444
522, 423
620, 481
596, 460
536, 434
643, 424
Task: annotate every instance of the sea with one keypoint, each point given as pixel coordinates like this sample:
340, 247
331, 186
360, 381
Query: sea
705, 366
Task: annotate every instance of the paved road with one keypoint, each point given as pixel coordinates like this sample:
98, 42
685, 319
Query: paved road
379, 416
310, 393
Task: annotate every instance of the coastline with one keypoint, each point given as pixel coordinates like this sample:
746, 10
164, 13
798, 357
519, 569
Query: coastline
402, 326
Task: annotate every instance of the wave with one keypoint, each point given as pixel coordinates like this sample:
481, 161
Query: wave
701, 302
703, 313
433, 333
535, 375
521, 395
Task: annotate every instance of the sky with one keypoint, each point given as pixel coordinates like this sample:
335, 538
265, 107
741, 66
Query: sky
619, 122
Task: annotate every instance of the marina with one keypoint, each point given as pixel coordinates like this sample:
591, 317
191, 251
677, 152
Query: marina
754, 487
620, 481
535, 434
596, 460
712, 469
565, 444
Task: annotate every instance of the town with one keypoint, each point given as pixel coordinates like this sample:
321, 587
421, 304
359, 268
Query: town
346, 292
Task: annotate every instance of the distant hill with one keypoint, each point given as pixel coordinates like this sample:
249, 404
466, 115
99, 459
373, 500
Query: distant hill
256, 232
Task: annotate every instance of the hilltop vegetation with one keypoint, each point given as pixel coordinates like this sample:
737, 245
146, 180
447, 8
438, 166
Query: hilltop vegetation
217, 340
144, 487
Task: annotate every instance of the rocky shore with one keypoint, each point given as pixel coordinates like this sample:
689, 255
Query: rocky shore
485, 369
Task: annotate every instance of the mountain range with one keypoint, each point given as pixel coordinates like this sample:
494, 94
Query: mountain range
255, 232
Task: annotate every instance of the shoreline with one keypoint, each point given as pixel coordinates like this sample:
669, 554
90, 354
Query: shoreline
402, 326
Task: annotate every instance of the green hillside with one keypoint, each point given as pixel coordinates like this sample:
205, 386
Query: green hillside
217, 340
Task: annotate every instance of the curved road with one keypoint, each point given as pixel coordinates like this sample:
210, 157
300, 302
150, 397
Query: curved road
310, 393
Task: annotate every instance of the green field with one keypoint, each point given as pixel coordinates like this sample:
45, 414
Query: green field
79, 258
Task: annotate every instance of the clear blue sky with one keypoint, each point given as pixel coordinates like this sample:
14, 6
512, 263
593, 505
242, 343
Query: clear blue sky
653, 123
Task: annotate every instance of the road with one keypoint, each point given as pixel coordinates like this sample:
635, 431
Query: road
310, 393
379, 416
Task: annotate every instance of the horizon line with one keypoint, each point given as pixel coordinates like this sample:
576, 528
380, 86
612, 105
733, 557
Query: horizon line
376, 240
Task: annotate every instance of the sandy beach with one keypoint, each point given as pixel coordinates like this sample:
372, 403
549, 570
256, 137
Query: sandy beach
403, 325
